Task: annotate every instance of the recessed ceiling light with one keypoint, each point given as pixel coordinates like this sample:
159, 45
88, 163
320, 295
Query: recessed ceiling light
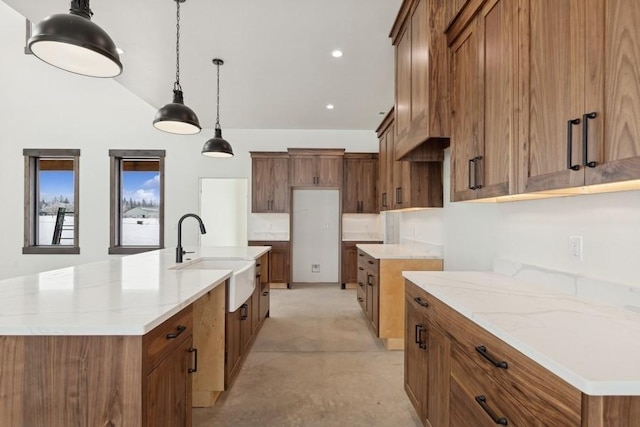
336, 53
330, 107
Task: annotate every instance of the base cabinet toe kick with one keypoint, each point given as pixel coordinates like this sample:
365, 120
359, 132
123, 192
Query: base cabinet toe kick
458, 374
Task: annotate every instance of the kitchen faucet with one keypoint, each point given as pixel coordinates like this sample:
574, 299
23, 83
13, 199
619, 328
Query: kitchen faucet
179, 251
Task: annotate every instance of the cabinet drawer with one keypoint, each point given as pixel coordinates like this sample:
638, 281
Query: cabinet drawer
476, 397
552, 400
362, 297
435, 310
162, 340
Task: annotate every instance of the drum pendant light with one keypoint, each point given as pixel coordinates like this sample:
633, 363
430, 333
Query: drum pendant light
216, 146
73, 43
176, 117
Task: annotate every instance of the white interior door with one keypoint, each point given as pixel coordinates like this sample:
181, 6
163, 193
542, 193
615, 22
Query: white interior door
223, 209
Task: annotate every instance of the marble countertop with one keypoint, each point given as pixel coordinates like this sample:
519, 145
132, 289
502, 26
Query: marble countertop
399, 251
593, 346
362, 237
130, 295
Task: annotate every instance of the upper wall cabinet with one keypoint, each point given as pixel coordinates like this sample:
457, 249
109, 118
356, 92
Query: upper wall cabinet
483, 68
422, 80
581, 87
386, 160
360, 186
270, 182
311, 167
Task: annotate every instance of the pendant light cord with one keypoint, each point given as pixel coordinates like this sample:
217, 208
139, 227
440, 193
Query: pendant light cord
81, 7
218, 99
177, 84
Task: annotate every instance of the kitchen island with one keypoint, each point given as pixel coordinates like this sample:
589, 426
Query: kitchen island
106, 343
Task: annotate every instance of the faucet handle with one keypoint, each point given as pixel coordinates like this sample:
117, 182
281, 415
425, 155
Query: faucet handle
188, 252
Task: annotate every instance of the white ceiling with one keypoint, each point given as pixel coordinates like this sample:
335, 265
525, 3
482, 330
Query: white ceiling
278, 71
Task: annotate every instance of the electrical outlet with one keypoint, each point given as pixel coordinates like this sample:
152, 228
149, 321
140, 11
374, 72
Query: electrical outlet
575, 247
315, 268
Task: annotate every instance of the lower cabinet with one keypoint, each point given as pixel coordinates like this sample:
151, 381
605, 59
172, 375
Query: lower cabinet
278, 268
381, 294
349, 264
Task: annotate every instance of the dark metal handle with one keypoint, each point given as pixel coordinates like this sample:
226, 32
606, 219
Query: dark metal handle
360, 268
360, 299
370, 262
585, 139
360, 254
369, 276
361, 284
180, 329
399, 195
195, 360
416, 333
570, 124
482, 401
483, 352
476, 160
472, 185
419, 330
384, 200
265, 293
244, 311
420, 302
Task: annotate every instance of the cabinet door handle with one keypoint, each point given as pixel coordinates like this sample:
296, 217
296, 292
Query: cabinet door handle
370, 262
384, 200
265, 293
360, 254
476, 161
483, 352
585, 139
420, 302
361, 284
244, 309
472, 185
570, 124
195, 360
482, 401
360, 299
399, 195
369, 280
360, 268
419, 330
180, 329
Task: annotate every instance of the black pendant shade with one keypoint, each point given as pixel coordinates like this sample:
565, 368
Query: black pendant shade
73, 43
217, 146
176, 117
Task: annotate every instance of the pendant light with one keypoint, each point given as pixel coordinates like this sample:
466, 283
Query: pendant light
217, 146
176, 117
73, 43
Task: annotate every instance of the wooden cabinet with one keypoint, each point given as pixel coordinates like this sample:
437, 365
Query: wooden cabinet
484, 121
580, 109
380, 285
422, 77
349, 267
269, 182
279, 270
415, 357
359, 190
406, 184
316, 167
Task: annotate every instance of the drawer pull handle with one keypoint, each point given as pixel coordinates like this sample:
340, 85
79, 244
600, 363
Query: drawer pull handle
180, 329
195, 360
420, 302
265, 293
419, 330
370, 262
360, 299
482, 401
369, 280
244, 312
360, 268
361, 284
360, 254
483, 352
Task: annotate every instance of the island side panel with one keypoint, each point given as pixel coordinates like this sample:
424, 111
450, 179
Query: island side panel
11, 379
82, 381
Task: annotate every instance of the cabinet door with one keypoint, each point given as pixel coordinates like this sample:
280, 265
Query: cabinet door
369, 186
280, 185
552, 58
352, 184
261, 185
415, 358
255, 306
403, 84
375, 301
169, 389
383, 168
391, 169
264, 301
349, 262
613, 64
233, 349
246, 328
438, 382
303, 170
329, 171
466, 104
279, 262
497, 142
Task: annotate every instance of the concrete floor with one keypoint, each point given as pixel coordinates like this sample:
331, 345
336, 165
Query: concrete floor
315, 363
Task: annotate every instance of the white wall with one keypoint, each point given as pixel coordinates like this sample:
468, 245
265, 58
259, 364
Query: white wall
43, 107
223, 209
537, 232
316, 236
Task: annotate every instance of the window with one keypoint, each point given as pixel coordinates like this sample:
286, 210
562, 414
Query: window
51, 201
137, 201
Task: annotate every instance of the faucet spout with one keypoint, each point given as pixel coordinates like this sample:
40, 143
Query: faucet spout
179, 251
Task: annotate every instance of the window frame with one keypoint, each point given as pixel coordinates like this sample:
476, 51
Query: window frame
31, 187
115, 198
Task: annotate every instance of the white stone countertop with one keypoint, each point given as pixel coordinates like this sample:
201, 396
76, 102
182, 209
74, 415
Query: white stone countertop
362, 237
592, 346
130, 295
398, 251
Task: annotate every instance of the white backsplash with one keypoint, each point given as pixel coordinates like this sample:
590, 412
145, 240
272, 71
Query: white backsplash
266, 226
362, 227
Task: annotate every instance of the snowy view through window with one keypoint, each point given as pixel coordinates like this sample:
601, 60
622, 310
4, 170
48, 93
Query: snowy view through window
55, 195
140, 206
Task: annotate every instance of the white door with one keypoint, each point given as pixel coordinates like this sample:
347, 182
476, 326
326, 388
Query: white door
223, 209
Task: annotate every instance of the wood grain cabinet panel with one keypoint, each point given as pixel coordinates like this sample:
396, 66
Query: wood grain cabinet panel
316, 167
278, 269
359, 190
422, 77
269, 182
